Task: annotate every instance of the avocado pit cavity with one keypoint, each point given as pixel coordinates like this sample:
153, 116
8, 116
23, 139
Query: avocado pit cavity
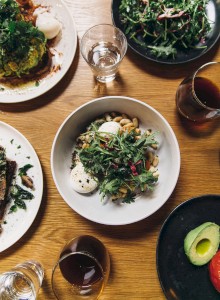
203, 247
201, 243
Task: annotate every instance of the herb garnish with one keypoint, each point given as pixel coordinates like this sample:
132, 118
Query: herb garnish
165, 26
18, 194
23, 170
119, 161
25, 179
22, 45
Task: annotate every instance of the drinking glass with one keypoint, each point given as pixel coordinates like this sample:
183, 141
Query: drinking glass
198, 96
22, 282
82, 269
103, 47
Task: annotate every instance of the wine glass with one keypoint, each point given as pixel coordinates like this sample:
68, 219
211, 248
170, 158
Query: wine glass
82, 269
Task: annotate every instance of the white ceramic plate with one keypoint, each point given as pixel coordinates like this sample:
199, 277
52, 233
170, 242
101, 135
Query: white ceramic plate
19, 149
90, 206
64, 52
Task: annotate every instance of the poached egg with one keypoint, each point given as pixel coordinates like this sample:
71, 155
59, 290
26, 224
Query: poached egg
50, 26
109, 127
82, 182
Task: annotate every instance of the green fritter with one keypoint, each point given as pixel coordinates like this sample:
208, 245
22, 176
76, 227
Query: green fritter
22, 45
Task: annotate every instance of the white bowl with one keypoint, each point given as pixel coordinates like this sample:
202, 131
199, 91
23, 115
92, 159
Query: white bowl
90, 205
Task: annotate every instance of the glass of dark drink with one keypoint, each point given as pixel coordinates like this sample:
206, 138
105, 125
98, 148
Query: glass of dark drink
82, 269
198, 96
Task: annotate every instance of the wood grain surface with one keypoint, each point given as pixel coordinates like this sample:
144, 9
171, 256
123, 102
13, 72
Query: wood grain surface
133, 247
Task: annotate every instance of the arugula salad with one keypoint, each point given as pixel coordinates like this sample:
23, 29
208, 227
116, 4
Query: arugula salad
166, 26
120, 157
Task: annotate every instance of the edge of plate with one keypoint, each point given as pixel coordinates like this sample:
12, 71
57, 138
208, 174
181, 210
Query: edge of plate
41, 184
48, 88
195, 198
130, 99
167, 62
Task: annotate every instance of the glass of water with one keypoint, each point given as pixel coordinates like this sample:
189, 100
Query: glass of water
82, 269
22, 282
103, 47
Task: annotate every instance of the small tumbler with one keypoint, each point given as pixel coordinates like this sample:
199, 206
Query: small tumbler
103, 48
22, 282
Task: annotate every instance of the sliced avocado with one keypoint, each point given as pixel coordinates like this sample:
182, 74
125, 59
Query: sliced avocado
201, 243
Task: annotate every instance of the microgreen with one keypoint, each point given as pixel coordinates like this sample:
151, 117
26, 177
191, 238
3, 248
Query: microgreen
165, 26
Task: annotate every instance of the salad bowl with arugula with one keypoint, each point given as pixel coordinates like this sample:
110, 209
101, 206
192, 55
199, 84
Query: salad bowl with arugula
117, 157
128, 189
168, 31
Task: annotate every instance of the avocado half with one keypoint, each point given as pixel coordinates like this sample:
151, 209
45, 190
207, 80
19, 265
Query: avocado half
201, 243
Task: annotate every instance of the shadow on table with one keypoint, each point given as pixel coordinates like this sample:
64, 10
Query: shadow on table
197, 129
139, 229
171, 71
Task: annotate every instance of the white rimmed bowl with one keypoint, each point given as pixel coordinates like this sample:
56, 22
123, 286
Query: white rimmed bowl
89, 205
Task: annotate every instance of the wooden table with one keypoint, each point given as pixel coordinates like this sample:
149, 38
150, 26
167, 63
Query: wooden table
133, 247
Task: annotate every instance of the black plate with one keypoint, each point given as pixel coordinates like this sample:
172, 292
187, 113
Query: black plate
213, 11
179, 279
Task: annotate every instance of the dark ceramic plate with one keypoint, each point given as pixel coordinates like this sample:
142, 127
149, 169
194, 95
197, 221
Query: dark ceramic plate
179, 279
213, 12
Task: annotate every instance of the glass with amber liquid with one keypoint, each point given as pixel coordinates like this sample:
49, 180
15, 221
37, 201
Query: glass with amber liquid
198, 96
82, 269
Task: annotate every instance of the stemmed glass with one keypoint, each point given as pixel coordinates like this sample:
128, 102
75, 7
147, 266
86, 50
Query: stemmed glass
82, 269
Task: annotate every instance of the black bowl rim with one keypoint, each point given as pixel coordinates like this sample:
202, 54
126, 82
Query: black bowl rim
174, 62
188, 201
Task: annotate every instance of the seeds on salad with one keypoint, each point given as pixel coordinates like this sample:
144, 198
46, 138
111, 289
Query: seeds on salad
108, 117
117, 119
156, 174
125, 121
154, 146
135, 122
155, 161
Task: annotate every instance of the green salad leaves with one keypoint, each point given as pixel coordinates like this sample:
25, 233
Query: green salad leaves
119, 161
22, 45
9, 10
166, 26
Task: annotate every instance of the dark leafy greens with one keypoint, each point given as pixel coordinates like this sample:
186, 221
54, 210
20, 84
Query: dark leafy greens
165, 26
19, 195
9, 10
23, 170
